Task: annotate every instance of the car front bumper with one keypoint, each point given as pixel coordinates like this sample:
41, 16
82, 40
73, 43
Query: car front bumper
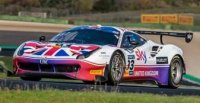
52, 67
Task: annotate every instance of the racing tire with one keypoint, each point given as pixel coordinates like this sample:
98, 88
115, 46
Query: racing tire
31, 78
175, 73
116, 68
88, 82
93, 83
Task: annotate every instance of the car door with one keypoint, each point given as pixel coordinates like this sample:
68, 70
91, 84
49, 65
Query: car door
136, 54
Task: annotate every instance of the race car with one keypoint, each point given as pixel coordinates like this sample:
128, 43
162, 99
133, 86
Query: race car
102, 53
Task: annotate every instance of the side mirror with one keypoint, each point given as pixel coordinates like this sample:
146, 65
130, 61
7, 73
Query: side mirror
42, 38
131, 41
188, 37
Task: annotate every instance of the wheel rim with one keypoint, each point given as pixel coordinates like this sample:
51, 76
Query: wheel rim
176, 71
117, 67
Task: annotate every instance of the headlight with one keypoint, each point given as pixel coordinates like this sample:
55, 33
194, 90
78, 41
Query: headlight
81, 56
86, 55
20, 51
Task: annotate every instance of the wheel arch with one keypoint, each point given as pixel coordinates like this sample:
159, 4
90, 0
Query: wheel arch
174, 51
122, 53
106, 72
182, 60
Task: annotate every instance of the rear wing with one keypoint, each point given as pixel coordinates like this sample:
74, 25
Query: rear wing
187, 35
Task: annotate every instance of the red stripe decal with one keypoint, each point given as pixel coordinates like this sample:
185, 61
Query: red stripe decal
51, 51
31, 44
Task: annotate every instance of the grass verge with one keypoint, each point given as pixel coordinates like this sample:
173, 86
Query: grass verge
58, 96
33, 19
7, 61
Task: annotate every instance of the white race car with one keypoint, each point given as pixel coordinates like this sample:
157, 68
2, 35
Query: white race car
102, 53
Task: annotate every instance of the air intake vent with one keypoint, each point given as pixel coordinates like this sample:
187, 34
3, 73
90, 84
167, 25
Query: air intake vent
155, 48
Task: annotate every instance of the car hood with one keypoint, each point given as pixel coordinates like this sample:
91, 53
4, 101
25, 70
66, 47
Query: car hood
55, 50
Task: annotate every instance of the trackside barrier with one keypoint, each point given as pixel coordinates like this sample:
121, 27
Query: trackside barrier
7, 50
182, 19
191, 80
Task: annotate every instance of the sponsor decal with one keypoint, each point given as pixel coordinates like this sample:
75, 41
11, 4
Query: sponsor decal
186, 19
126, 72
169, 18
96, 72
131, 56
44, 61
95, 27
103, 52
104, 56
161, 60
131, 64
146, 73
150, 18
141, 55
130, 72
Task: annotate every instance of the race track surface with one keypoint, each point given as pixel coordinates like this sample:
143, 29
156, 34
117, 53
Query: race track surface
31, 85
18, 37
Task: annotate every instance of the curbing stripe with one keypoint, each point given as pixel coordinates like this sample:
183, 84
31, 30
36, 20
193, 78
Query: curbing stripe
191, 78
8, 47
190, 82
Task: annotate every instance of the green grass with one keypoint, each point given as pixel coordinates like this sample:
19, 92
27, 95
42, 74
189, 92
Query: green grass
2, 75
33, 19
7, 61
58, 96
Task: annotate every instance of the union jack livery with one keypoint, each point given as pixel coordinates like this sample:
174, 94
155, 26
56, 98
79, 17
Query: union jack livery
106, 53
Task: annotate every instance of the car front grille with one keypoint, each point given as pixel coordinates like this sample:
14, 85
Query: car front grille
60, 68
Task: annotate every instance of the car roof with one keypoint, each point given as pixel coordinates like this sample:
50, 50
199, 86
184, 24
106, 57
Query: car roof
110, 29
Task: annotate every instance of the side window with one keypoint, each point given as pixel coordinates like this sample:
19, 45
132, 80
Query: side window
133, 36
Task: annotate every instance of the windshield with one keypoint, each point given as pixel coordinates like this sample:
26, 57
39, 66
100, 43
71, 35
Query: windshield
87, 37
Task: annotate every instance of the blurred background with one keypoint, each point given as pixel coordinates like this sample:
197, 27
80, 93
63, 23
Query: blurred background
110, 12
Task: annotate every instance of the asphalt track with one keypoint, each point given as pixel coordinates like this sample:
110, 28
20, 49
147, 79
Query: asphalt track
18, 37
72, 86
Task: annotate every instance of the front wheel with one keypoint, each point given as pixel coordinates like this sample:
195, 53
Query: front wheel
175, 73
88, 82
116, 68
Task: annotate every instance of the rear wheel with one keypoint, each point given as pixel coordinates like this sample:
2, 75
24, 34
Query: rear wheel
31, 78
175, 73
116, 68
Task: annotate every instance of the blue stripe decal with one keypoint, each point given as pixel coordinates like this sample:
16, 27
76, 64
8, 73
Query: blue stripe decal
61, 53
40, 52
